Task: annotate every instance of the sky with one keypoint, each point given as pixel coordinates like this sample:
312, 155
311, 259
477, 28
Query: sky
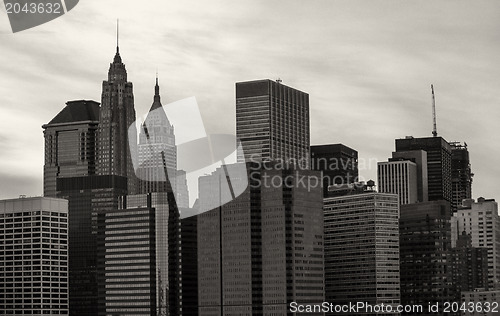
367, 66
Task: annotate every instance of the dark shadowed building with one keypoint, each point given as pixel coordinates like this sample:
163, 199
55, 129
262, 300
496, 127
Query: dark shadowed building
461, 177
70, 139
337, 162
425, 245
262, 250
438, 164
469, 267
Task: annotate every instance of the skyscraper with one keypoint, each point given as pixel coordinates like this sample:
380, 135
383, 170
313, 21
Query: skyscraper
469, 266
337, 162
272, 122
157, 155
97, 169
438, 164
70, 138
419, 157
425, 244
139, 247
461, 177
262, 250
399, 177
362, 248
34, 256
116, 116
481, 221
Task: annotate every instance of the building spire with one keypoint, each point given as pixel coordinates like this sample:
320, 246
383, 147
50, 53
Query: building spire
117, 37
157, 89
117, 59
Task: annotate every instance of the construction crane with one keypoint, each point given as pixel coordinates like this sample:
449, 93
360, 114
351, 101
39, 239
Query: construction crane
434, 129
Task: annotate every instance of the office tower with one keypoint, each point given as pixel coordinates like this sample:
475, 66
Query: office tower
70, 143
106, 146
419, 157
362, 247
34, 256
272, 122
424, 253
461, 177
189, 267
399, 177
87, 197
157, 155
338, 163
264, 249
485, 303
469, 267
481, 221
139, 272
116, 116
438, 163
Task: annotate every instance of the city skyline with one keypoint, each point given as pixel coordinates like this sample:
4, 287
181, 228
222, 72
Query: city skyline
381, 63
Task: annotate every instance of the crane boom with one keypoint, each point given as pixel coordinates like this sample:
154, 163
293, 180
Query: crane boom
434, 129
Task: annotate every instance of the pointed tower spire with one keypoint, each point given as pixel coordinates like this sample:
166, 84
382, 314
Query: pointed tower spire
157, 91
117, 59
117, 35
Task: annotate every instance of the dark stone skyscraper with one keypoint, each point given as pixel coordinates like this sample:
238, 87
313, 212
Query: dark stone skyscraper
116, 116
337, 162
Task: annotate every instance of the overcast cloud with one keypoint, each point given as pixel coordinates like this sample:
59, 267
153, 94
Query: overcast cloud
367, 66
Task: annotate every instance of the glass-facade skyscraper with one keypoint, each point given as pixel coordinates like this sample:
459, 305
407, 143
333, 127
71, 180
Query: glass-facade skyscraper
272, 122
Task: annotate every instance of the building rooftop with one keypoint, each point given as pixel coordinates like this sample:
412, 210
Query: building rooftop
77, 111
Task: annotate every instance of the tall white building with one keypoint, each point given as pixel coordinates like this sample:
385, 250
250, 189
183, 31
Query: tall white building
398, 177
34, 256
481, 220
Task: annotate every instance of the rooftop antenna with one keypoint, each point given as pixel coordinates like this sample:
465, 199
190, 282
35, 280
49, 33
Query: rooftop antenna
434, 129
117, 29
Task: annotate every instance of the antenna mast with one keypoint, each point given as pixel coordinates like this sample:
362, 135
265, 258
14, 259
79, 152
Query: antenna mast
434, 130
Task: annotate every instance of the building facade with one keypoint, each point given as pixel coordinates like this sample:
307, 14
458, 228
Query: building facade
117, 115
362, 248
262, 250
337, 162
469, 267
88, 162
272, 122
419, 157
438, 164
487, 300
70, 138
481, 221
425, 243
34, 256
139, 242
157, 155
461, 177
399, 177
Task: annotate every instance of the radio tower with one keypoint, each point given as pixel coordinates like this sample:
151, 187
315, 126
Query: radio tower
434, 129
